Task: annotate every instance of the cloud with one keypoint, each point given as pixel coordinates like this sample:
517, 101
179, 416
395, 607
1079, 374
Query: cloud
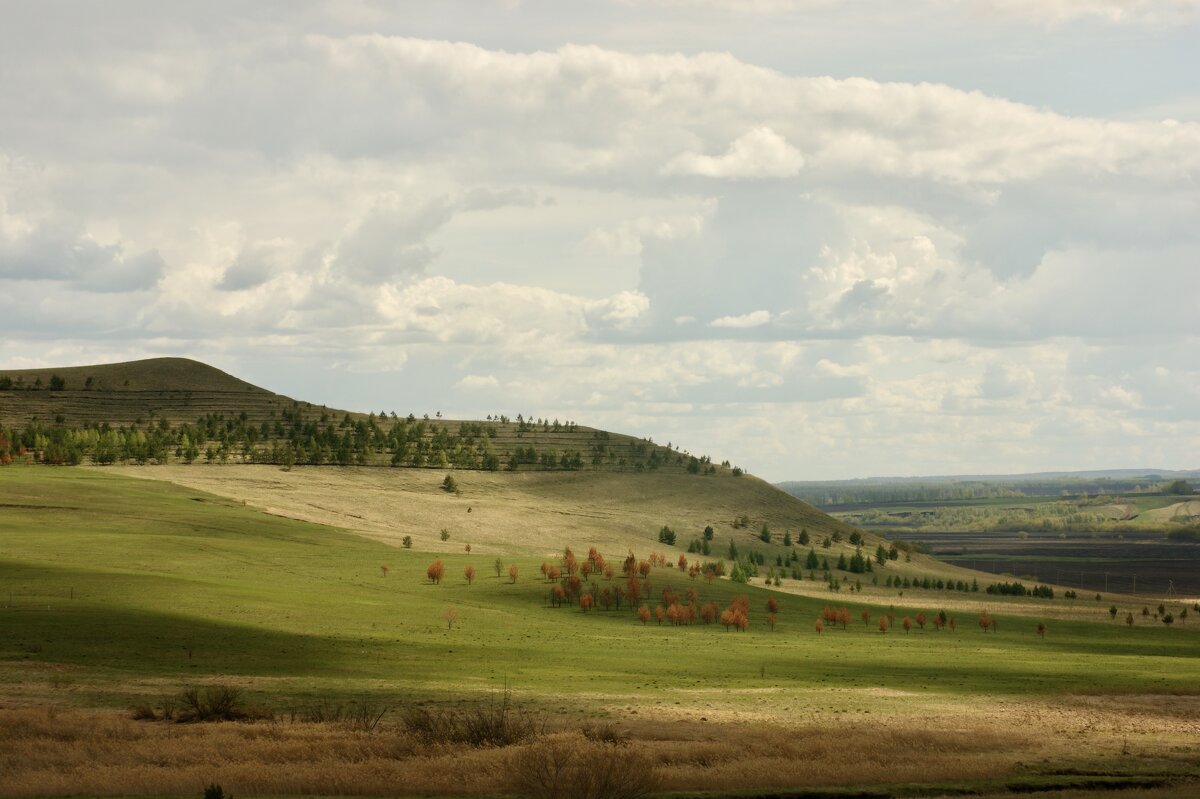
389, 242
759, 153
1114, 11
476, 382
752, 319
61, 250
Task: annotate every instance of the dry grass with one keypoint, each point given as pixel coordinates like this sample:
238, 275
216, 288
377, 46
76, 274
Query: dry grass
527, 513
44, 752
48, 752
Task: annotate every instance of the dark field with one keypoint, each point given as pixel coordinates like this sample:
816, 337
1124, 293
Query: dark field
1135, 563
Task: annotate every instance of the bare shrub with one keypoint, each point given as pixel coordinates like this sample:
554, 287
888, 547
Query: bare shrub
605, 734
214, 703
362, 715
496, 722
143, 712
556, 768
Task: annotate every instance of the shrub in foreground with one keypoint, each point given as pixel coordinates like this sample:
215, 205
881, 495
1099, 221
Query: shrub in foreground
571, 769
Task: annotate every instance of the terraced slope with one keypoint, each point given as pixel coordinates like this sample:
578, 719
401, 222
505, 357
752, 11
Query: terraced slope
185, 410
136, 392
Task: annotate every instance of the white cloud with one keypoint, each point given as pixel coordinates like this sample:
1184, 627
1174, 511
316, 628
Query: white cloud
476, 382
758, 153
752, 319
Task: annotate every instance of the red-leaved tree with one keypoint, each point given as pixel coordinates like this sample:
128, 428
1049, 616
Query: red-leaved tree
435, 572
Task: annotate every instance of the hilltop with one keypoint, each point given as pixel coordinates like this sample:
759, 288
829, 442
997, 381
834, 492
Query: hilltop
132, 393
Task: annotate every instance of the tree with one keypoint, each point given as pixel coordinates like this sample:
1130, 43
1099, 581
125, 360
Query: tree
866, 617
771, 619
772, 605
683, 563
1176, 487
709, 533
1129, 619
467, 549
765, 534
585, 602
450, 485
643, 614
499, 566
451, 616
1041, 629
435, 572
445, 534
881, 555
406, 542
1112, 613
907, 624
803, 538
659, 613
384, 569
469, 573
512, 573
811, 562
787, 538
920, 619
884, 624
819, 626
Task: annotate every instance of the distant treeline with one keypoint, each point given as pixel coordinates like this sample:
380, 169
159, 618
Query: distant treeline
295, 438
832, 495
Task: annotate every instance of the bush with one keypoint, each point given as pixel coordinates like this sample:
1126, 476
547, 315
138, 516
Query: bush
363, 715
564, 769
214, 791
491, 723
605, 734
214, 703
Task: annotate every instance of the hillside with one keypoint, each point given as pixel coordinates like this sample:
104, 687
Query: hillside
122, 593
533, 513
525, 486
173, 409
178, 390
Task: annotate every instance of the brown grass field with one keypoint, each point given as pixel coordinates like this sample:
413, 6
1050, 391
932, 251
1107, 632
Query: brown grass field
48, 751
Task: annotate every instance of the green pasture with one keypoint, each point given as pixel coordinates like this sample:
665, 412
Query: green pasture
123, 588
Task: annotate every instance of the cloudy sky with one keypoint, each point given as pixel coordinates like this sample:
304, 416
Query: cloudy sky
822, 239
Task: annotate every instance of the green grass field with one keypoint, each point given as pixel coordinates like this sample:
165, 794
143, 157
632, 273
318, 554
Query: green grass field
134, 586
119, 591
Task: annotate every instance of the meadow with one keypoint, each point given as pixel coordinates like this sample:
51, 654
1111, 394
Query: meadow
120, 592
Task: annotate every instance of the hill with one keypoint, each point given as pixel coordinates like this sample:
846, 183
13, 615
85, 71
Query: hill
131, 393
124, 593
173, 409
529, 513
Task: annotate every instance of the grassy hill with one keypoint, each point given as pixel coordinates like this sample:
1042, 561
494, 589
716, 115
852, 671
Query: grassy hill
120, 592
168, 409
524, 513
133, 393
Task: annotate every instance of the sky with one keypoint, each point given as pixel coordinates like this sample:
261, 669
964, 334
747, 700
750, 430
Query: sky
819, 239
